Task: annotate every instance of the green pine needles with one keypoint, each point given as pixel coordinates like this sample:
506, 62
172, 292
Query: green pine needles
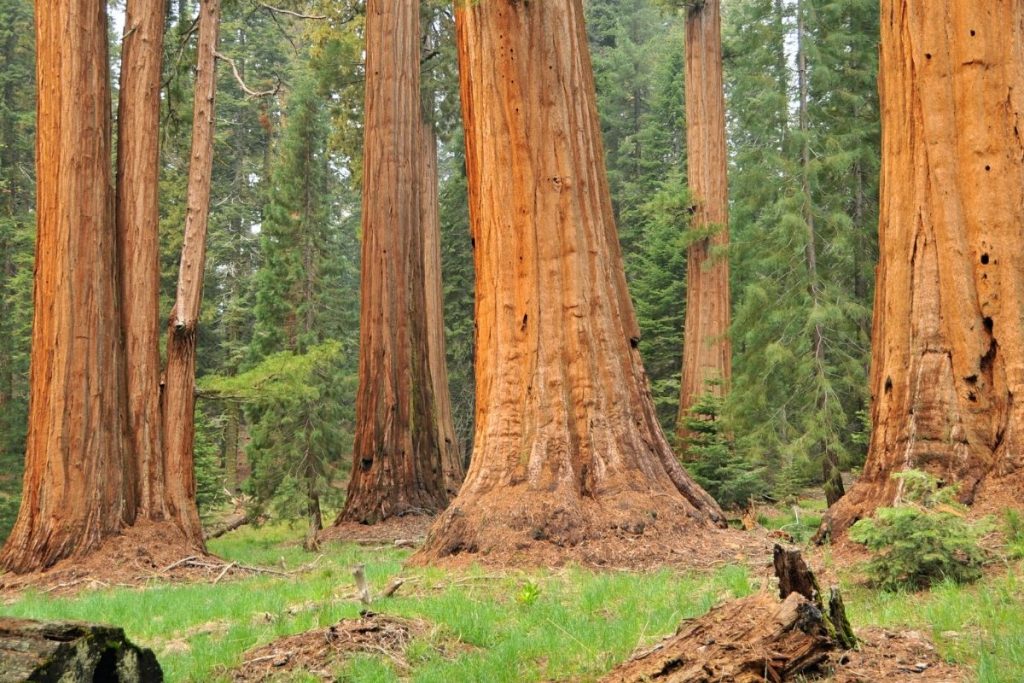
712, 459
924, 539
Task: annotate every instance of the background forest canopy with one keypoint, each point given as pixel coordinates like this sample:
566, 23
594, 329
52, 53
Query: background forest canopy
278, 346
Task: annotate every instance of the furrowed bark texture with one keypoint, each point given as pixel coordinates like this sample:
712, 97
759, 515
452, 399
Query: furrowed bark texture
948, 338
138, 242
567, 446
451, 453
75, 453
707, 352
179, 388
397, 460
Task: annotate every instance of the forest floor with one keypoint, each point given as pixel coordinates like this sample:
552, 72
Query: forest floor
482, 624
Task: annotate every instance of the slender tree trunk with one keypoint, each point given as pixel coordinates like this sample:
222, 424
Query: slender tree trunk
397, 459
430, 218
138, 241
833, 479
568, 447
309, 471
948, 334
179, 389
73, 495
707, 352
231, 449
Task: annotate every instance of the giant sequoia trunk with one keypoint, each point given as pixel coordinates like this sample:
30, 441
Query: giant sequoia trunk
707, 353
451, 452
397, 461
948, 335
138, 241
568, 448
179, 401
75, 462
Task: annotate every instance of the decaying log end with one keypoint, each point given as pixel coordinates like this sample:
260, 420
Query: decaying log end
72, 652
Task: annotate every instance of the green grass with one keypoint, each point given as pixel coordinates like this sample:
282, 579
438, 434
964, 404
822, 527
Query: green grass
980, 625
510, 626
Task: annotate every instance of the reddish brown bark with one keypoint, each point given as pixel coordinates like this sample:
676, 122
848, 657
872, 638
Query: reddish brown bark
430, 218
179, 388
397, 461
948, 334
568, 448
138, 242
73, 493
707, 352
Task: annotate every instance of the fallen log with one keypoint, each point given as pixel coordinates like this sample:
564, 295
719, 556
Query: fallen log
751, 640
72, 653
238, 519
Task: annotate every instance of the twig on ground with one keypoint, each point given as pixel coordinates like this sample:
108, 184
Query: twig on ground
224, 571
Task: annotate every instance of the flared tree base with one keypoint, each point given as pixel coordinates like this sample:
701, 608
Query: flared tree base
545, 529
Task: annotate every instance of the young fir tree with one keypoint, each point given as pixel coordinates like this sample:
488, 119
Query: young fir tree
295, 286
798, 330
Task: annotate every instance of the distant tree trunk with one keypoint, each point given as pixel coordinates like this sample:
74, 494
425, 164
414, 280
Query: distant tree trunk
233, 417
448, 442
183, 327
707, 352
397, 460
138, 241
948, 335
568, 447
73, 495
832, 476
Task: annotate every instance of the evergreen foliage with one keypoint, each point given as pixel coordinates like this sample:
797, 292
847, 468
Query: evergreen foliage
712, 459
297, 405
787, 408
924, 539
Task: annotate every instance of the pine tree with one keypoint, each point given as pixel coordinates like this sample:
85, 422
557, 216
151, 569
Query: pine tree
295, 287
798, 332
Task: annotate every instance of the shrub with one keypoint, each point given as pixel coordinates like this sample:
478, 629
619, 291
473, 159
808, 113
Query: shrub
924, 539
713, 461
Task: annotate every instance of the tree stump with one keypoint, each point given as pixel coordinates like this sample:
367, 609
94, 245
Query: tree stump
72, 653
751, 640
796, 577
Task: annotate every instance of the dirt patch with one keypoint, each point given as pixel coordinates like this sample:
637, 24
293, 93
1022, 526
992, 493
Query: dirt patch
997, 494
406, 531
893, 657
322, 651
143, 554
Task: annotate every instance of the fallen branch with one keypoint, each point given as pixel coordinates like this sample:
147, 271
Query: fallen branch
222, 573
